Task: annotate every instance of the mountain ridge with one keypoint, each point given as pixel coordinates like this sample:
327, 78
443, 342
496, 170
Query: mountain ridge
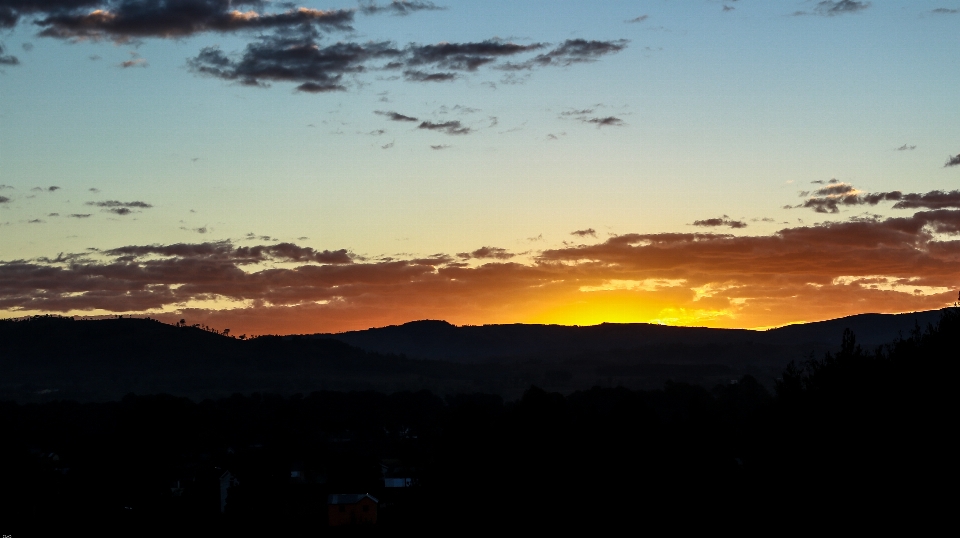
438, 339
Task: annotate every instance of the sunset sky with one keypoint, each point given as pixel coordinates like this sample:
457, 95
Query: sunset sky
325, 166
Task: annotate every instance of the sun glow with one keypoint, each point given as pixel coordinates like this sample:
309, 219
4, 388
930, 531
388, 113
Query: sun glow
626, 306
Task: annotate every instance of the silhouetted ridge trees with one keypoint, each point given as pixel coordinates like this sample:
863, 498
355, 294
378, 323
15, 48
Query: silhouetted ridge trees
861, 437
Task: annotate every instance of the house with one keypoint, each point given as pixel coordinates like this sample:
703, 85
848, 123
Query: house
352, 509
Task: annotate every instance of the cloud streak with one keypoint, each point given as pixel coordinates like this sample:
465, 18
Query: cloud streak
721, 221
395, 116
400, 8
832, 8
829, 199
124, 20
447, 127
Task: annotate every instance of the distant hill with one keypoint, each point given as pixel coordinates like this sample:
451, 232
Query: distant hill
50, 358
440, 340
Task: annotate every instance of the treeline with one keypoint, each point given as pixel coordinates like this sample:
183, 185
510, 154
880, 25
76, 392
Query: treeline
862, 436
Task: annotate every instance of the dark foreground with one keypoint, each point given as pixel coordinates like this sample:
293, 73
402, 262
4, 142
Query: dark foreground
857, 439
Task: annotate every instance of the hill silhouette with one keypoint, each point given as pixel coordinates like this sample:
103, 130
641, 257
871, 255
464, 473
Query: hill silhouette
431, 339
52, 358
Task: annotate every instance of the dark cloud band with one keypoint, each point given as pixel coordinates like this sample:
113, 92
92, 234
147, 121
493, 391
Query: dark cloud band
830, 198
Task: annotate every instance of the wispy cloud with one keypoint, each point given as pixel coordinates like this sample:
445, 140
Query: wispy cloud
395, 116
120, 208
134, 62
398, 7
495, 253
607, 121
448, 127
6, 59
831, 8
720, 221
415, 75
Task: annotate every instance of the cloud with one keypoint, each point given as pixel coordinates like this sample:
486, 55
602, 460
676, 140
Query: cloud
5, 187
298, 58
952, 161
439, 146
584, 233
4, 200
120, 208
830, 198
905, 147
448, 127
571, 51
728, 8
464, 56
414, 75
35, 221
641, 18
135, 62
6, 59
722, 221
831, 8
125, 20
495, 253
79, 215
313, 87
802, 273
293, 58
945, 11
398, 7
226, 252
395, 116
116, 203
608, 121
12, 10
388, 145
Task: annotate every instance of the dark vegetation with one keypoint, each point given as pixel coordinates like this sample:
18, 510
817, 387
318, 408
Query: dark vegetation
855, 439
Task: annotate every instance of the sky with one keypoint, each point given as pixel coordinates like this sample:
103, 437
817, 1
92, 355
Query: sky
325, 166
